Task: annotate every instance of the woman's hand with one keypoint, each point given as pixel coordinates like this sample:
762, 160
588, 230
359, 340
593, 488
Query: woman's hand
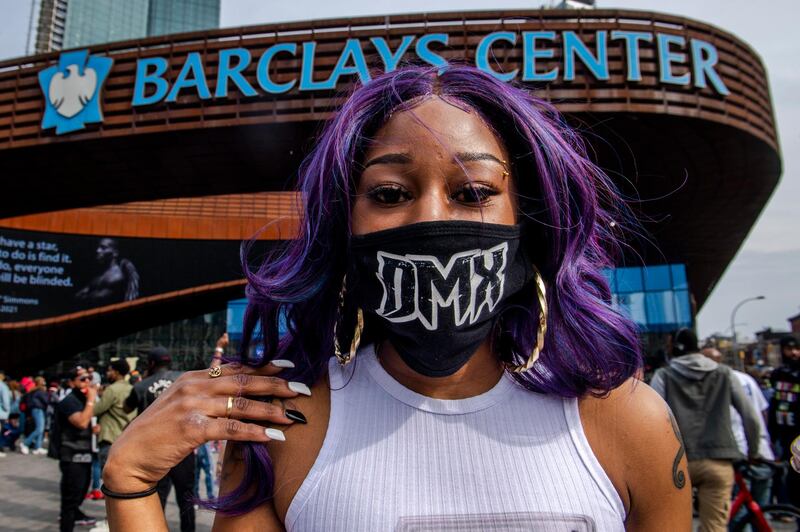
193, 411
91, 393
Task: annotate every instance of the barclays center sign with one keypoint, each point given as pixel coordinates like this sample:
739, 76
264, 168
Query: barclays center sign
72, 88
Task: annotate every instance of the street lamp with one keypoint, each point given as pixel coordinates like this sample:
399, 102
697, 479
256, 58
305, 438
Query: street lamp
733, 321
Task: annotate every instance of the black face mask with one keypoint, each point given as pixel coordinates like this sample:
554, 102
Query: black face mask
436, 287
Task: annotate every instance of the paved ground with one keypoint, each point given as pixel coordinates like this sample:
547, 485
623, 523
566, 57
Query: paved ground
29, 498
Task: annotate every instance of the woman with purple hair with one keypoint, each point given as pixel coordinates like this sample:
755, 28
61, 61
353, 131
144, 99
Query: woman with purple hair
453, 360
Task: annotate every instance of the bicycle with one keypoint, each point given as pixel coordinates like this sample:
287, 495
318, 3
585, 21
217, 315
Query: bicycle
758, 517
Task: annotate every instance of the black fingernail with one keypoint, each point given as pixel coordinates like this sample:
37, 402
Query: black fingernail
294, 415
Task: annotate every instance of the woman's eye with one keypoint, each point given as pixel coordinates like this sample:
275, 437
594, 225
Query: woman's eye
389, 195
476, 194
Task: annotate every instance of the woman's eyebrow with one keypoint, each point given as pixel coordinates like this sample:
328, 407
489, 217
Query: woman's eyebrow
389, 158
466, 157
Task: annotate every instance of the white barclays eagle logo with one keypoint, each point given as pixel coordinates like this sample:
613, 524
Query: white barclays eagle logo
69, 94
72, 91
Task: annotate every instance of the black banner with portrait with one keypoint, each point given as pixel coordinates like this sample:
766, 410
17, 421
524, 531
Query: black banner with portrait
48, 274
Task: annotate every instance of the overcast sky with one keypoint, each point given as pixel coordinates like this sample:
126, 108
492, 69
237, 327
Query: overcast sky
768, 263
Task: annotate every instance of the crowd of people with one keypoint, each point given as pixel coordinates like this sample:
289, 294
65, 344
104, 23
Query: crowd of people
725, 416
76, 420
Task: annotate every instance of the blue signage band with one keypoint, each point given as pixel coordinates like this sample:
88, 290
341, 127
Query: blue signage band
681, 61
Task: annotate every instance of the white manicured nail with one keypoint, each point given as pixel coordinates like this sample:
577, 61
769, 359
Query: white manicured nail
299, 387
282, 363
275, 434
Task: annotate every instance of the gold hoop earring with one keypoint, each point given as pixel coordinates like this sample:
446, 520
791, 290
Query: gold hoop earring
345, 359
541, 294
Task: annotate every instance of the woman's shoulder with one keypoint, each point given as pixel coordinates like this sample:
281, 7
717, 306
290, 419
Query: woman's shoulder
629, 417
633, 404
636, 439
293, 459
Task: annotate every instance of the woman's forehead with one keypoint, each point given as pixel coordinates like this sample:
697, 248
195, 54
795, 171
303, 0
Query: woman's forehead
439, 126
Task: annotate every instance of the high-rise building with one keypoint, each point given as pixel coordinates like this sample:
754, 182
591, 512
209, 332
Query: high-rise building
575, 4
97, 21
51, 26
171, 16
75, 23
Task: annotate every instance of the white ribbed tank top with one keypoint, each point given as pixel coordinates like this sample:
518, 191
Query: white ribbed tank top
508, 459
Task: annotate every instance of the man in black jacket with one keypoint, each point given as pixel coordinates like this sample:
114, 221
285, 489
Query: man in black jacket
74, 415
700, 393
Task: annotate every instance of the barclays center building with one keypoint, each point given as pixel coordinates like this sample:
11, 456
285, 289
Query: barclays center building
133, 170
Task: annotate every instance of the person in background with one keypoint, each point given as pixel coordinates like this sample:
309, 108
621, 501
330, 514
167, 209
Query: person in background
74, 447
16, 395
94, 490
759, 475
784, 413
52, 401
110, 411
96, 379
5, 406
159, 378
203, 462
25, 385
36, 401
64, 388
135, 377
10, 432
700, 393
97, 474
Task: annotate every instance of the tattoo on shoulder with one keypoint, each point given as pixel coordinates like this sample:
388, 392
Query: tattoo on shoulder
678, 476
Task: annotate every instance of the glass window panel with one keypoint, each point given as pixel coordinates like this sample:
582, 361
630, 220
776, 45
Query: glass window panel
679, 281
647, 296
660, 308
608, 273
96, 21
683, 307
632, 305
629, 280
235, 316
657, 278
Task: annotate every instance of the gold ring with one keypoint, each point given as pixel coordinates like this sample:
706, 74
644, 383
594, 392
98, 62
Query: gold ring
214, 371
229, 408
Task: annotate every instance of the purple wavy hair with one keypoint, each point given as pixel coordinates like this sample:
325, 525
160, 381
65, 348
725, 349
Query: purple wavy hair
571, 210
